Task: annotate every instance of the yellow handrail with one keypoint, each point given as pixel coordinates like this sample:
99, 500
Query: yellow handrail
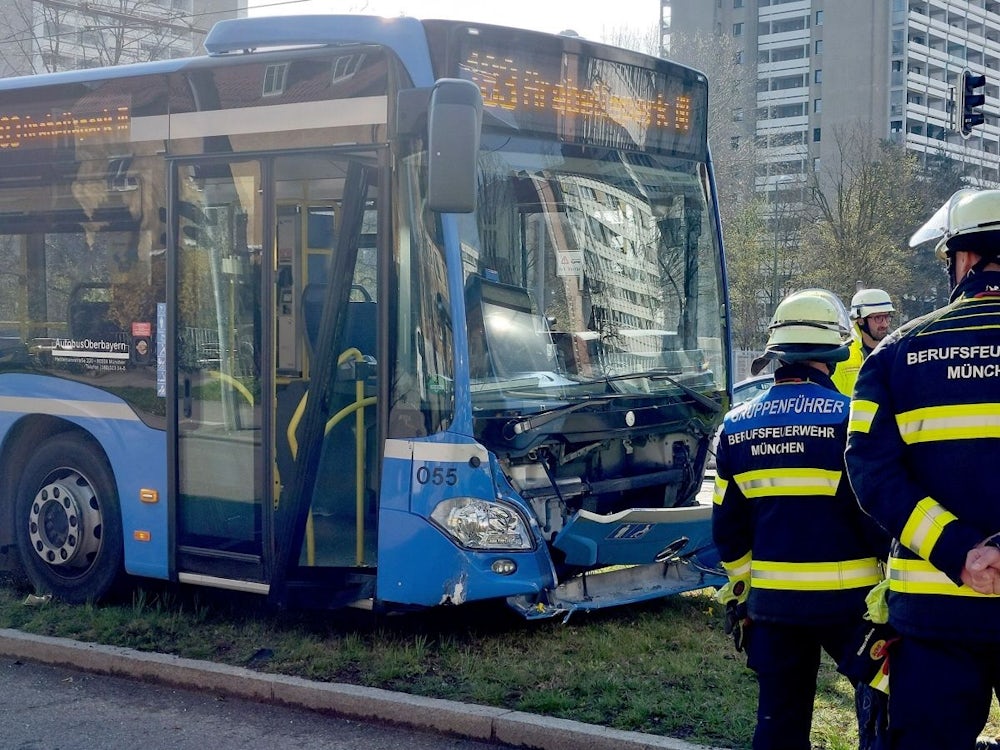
358, 408
223, 377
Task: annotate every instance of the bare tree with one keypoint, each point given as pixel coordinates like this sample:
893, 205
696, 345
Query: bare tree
645, 40
45, 36
750, 253
864, 204
733, 152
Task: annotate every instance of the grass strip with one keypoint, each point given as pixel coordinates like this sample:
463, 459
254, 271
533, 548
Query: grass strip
663, 667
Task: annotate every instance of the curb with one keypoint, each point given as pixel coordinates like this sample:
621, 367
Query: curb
351, 701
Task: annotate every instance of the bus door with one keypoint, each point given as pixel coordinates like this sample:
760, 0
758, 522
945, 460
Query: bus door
326, 308
220, 406
277, 364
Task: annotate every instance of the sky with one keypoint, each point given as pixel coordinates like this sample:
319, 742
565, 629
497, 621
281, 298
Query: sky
590, 19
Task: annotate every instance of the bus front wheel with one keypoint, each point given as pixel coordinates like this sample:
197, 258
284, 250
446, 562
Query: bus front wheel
67, 519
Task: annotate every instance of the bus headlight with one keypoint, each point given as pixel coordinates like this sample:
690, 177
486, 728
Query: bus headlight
480, 524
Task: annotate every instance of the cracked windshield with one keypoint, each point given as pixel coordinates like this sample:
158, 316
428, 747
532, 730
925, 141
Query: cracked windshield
590, 271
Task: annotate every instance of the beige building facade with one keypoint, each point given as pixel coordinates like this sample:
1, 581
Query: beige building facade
821, 67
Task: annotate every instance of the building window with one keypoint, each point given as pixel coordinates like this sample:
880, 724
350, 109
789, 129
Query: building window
737, 29
819, 18
738, 114
816, 135
346, 66
818, 75
737, 3
819, 46
896, 126
734, 142
896, 73
274, 79
816, 164
897, 41
896, 102
738, 57
817, 105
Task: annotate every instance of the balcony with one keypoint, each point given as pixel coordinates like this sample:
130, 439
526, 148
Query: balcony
783, 96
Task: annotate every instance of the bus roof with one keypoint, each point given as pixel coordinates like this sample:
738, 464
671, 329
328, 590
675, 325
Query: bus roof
87, 75
404, 36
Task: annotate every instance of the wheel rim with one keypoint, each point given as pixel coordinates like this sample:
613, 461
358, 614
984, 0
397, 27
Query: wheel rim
64, 523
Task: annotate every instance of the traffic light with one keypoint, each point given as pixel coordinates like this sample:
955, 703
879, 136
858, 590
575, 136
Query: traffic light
970, 102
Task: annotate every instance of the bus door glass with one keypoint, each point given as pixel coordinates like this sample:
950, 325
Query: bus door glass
326, 306
219, 220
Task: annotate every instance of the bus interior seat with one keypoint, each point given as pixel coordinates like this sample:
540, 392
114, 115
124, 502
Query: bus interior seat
359, 325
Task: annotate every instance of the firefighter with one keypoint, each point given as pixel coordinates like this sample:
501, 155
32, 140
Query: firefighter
800, 554
924, 440
871, 311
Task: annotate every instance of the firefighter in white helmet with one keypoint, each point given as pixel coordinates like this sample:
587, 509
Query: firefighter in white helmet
871, 311
800, 554
923, 447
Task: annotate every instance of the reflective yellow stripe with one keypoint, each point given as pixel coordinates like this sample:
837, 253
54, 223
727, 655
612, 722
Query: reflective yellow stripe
862, 416
955, 422
720, 489
815, 576
920, 577
796, 481
880, 681
924, 526
738, 568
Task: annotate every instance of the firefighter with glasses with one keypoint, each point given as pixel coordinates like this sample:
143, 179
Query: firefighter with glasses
800, 554
923, 447
871, 311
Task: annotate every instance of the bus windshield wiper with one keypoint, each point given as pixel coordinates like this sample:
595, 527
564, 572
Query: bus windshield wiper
661, 374
517, 426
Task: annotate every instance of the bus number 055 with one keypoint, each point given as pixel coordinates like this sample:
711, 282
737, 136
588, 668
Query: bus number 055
437, 476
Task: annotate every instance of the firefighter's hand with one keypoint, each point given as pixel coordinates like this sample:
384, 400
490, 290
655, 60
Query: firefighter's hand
982, 570
738, 623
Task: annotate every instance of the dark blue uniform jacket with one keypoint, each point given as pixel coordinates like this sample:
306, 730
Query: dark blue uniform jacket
924, 458
784, 515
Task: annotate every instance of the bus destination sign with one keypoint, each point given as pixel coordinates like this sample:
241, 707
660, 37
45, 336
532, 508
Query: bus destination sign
586, 99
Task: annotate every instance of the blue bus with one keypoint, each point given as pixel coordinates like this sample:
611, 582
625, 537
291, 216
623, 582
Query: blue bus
370, 312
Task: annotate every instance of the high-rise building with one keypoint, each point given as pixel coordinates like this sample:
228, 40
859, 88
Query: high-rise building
821, 67
49, 35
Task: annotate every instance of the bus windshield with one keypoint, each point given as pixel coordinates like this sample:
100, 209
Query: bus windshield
590, 270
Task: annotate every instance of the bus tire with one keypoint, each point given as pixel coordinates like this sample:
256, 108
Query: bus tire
67, 521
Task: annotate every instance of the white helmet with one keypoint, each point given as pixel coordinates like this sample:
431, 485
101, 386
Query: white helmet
811, 324
967, 212
870, 302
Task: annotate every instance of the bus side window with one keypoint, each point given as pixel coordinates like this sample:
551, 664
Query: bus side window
88, 308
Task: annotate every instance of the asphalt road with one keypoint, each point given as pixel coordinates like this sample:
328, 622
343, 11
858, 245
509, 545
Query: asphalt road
57, 708
61, 694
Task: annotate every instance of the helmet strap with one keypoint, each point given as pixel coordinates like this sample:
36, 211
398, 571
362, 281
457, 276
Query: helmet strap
984, 261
